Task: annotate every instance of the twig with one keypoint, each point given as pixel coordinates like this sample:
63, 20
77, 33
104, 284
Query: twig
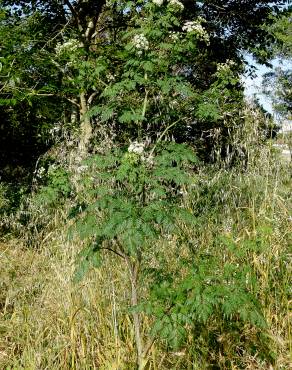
163, 133
74, 13
57, 34
120, 254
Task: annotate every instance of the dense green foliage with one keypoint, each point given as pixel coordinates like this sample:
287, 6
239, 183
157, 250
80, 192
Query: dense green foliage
66, 55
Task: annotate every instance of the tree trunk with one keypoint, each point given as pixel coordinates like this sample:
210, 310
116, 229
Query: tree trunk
85, 126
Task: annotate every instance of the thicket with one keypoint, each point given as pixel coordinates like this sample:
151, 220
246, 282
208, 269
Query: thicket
154, 230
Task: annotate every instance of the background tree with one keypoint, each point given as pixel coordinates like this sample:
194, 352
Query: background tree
39, 52
278, 83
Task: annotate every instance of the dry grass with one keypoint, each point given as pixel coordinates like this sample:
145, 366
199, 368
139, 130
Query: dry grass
47, 322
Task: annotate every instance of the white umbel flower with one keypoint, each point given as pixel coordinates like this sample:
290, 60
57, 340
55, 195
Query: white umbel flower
224, 67
137, 148
40, 172
69, 46
197, 29
176, 4
192, 26
140, 42
174, 36
158, 2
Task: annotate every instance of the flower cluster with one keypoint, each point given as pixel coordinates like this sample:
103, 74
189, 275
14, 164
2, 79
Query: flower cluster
174, 36
69, 46
225, 67
137, 148
141, 42
137, 151
40, 172
191, 26
176, 4
158, 2
196, 28
111, 77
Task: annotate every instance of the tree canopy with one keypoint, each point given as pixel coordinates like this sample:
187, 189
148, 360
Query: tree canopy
77, 56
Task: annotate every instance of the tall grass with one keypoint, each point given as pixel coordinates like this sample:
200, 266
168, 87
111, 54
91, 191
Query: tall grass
47, 322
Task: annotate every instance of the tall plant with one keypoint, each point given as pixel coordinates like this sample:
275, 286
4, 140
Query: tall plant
136, 202
130, 196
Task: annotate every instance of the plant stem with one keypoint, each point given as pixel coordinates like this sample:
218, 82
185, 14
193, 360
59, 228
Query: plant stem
134, 271
136, 318
163, 133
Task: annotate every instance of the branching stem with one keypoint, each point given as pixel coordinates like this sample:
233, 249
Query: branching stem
161, 136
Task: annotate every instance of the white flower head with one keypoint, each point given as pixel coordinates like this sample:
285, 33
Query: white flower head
110, 77
176, 4
158, 2
174, 36
140, 42
69, 46
40, 172
224, 67
137, 148
197, 29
